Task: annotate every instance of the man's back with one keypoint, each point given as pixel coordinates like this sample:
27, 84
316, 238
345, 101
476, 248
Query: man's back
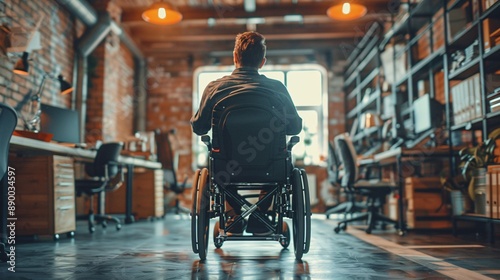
241, 81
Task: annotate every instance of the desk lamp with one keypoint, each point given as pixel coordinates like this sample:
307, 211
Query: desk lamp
32, 123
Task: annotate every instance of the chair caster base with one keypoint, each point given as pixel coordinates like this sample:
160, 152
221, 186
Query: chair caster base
340, 227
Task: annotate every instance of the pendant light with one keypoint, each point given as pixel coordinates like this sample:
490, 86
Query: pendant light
346, 11
161, 13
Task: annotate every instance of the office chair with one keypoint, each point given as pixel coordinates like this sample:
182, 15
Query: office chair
374, 190
166, 157
8, 122
106, 175
350, 206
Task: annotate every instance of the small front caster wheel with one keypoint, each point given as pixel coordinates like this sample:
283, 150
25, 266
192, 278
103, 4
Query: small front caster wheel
104, 224
118, 226
56, 237
336, 229
217, 241
70, 234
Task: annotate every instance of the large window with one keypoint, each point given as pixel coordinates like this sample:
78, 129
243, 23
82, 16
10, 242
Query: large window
307, 87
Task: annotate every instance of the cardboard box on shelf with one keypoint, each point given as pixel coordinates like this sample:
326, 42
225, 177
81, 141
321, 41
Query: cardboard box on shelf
425, 208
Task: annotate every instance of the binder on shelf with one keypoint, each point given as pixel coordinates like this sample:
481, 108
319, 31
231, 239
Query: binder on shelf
478, 98
486, 36
471, 108
488, 3
492, 191
495, 173
489, 205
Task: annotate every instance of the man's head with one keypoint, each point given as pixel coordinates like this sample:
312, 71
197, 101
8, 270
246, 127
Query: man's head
249, 50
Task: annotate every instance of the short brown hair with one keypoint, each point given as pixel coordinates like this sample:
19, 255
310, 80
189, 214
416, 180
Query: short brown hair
250, 49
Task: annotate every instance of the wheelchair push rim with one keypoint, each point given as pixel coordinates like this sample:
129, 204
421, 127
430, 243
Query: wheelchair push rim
307, 208
203, 214
298, 214
194, 215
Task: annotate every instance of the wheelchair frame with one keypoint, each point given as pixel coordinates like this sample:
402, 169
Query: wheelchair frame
290, 200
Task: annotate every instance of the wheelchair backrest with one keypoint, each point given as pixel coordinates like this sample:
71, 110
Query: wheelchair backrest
249, 139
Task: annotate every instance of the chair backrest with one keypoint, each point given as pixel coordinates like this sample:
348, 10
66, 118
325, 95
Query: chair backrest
348, 158
107, 153
249, 140
333, 165
8, 122
166, 156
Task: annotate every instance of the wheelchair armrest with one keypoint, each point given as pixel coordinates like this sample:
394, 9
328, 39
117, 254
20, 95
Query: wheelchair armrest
292, 142
206, 139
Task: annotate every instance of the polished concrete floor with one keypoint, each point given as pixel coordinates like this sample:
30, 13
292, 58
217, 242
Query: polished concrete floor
161, 249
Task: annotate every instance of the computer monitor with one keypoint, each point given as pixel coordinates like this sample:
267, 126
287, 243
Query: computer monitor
427, 114
63, 123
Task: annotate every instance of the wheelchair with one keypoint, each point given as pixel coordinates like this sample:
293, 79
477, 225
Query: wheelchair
249, 151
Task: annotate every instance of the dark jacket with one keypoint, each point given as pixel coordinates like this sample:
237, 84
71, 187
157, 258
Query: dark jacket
241, 80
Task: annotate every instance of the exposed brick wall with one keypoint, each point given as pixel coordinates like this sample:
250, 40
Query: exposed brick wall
56, 56
110, 103
170, 91
110, 98
95, 96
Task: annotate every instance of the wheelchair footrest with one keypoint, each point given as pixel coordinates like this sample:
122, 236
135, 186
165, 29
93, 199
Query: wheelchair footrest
272, 237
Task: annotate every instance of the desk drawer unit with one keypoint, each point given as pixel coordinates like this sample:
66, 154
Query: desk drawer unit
147, 195
45, 195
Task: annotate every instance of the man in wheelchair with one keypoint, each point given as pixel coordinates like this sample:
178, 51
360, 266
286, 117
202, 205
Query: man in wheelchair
250, 116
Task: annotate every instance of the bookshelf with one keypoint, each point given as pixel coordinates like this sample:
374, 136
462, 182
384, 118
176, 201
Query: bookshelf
448, 51
364, 90
415, 48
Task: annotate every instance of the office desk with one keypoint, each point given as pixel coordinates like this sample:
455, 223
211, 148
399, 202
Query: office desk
400, 158
27, 146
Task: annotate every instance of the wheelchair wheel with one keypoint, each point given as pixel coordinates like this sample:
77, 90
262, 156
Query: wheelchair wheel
203, 215
217, 243
286, 233
194, 216
298, 214
307, 208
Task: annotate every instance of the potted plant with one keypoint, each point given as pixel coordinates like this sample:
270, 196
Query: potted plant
472, 178
474, 162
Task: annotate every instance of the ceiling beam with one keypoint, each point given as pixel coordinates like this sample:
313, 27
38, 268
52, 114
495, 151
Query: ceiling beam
214, 48
268, 10
271, 32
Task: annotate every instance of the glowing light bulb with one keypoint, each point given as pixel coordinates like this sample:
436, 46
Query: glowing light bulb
346, 8
162, 13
